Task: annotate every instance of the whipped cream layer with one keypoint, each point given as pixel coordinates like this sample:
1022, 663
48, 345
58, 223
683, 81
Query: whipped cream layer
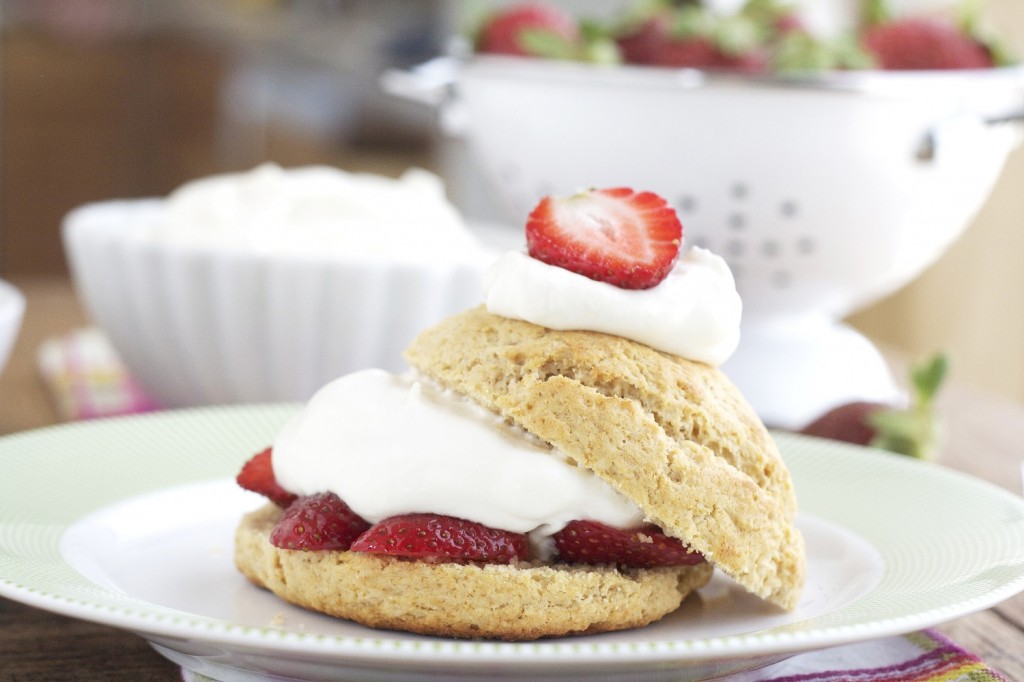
694, 312
388, 445
319, 210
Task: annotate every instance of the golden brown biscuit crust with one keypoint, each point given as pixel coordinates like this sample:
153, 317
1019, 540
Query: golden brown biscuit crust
522, 602
674, 436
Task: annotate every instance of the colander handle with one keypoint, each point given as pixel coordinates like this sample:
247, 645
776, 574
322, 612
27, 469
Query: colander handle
1013, 117
429, 83
927, 150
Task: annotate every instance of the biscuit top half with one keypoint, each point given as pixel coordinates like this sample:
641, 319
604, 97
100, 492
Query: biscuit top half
674, 436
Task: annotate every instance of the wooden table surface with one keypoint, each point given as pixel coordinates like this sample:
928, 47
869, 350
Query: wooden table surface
985, 439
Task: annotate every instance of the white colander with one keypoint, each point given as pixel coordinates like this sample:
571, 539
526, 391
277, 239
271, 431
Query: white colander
823, 193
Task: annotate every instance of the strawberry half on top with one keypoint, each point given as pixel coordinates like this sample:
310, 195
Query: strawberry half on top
626, 238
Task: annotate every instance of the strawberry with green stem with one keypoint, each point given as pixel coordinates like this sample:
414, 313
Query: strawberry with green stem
533, 29
923, 42
914, 430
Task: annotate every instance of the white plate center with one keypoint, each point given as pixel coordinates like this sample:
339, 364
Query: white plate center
174, 548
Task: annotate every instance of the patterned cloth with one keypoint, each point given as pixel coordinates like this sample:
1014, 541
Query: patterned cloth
924, 656
88, 380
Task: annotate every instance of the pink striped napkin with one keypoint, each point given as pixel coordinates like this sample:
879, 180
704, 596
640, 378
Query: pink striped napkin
918, 657
86, 378
925, 656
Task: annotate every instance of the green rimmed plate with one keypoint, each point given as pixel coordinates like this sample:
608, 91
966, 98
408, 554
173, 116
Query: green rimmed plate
128, 522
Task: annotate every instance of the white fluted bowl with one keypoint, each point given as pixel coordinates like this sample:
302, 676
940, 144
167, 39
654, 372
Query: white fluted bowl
12, 310
198, 325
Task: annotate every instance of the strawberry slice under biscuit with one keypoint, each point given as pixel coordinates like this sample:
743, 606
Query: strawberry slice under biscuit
257, 475
434, 537
318, 522
592, 542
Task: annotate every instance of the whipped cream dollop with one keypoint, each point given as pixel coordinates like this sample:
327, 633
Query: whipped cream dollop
391, 444
694, 312
319, 210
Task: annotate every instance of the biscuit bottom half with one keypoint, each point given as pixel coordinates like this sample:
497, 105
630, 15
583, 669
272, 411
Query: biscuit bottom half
490, 601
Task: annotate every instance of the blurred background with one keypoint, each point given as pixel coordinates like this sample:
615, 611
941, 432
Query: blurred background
130, 98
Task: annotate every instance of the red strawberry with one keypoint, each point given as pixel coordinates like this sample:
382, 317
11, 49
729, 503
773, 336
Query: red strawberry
850, 423
591, 542
915, 430
430, 537
694, 37
619, 236
257, 475
702, 53
317, 522
640, 43
528, 29
921, 43
789, 21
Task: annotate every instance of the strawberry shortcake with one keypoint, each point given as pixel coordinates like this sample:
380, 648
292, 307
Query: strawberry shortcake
566, 458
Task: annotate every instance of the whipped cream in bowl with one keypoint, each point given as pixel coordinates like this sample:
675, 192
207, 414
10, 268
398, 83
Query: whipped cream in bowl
318, 211
263, 286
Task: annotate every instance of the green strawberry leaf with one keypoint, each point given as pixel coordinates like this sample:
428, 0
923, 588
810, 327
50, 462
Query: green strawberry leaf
547, 44
599, 46
692, 22
798, 51
737, 35
916, 430
927, 378
874, 12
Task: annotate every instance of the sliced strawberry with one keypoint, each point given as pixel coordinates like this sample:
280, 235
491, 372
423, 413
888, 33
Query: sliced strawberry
620, 236
917, 43
257, 475
316, 522
591, 542
431, 537
531, 30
